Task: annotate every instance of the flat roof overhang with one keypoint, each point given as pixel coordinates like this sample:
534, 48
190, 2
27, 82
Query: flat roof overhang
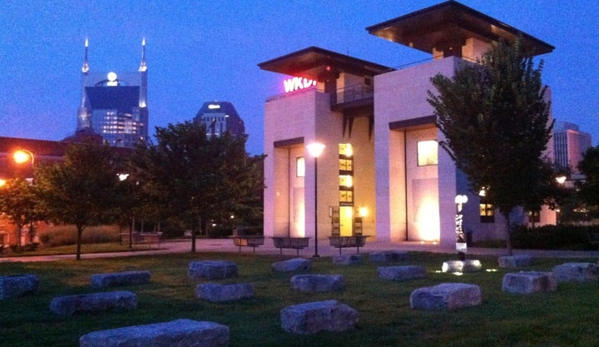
450, 22
316, 63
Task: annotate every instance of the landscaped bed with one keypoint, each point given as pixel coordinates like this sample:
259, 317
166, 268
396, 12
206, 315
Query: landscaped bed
566, 317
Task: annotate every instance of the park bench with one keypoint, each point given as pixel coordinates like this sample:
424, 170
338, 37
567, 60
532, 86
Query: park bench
593, 238
248, 241
296, 243
138, 238
348, 241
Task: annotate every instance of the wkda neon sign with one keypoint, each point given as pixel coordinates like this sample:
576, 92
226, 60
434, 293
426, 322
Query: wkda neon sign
298, 83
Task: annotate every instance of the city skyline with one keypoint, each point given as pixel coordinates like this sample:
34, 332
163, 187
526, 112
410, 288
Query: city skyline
198, 52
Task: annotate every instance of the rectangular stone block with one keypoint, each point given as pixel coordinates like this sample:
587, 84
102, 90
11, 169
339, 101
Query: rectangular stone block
385, 257
94, 302
347, 259
295, 264
179, 333
527, 282
318, 283
576, 272
17, 286
120, 278
469, 265
515, 261
401, 273
314, 317
446, 296
215, 292
212, 269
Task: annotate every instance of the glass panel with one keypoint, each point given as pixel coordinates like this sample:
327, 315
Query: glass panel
428, 153
300, 167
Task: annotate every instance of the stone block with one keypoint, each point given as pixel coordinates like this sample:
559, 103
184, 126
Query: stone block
214, 292
180, 333
347, 259
401, 273
95, 302
212, 269
314, 317
120, 278
317, 283
17, 286
386, 257
469, 265
295, 264
576, 272
446, 296
527, 282
515, 261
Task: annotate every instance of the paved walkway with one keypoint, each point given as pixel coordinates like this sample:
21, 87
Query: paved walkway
324, 250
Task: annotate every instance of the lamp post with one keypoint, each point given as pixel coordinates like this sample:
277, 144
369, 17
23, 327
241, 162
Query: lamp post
315, 150
22, 156
461, 245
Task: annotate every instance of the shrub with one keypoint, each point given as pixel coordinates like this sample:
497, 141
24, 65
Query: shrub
553, 237
64, 235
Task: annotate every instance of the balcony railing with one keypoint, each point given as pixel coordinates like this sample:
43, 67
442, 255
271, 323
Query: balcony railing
352, 94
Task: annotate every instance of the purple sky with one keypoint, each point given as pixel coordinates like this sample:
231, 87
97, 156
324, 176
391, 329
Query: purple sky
199, 51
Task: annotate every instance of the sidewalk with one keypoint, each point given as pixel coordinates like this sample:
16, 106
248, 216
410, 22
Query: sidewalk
324, 250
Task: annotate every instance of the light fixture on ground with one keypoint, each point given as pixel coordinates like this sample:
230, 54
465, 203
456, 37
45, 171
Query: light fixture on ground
315, 150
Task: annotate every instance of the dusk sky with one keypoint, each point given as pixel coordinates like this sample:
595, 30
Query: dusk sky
199, 51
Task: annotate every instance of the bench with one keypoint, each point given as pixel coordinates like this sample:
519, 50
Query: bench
348, 241
248, 241
296, 243
593, 238
141, 238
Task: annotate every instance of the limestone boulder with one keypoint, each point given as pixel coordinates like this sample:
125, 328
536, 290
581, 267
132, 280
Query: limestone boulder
292, 265
120, 278
211, 269
515, 261
215, 292
317, 283
446, 296
17, 286
576, 272
527, 282
347, 259
386, 257
401, 273
314, 317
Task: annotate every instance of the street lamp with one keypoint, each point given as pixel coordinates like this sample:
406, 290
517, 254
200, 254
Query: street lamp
315, 149
22, 156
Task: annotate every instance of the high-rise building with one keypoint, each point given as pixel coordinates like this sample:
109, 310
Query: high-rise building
114, 106
569, 144
219, 117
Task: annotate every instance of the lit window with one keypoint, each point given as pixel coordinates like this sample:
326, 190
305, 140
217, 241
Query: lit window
346, 150
300, 167
346, 181
345, 165
427, 153
346, 197
487, 214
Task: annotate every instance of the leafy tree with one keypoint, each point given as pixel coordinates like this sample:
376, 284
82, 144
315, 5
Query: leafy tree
82, 190
18, 201
589, 167
197, 177
496, 124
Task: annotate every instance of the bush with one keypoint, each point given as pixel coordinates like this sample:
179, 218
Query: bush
64, 235
563, 237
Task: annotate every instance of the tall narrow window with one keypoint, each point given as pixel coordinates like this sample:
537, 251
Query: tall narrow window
427, 153
300, 167
487, 213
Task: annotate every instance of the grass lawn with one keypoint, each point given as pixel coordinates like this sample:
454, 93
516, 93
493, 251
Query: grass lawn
566, 317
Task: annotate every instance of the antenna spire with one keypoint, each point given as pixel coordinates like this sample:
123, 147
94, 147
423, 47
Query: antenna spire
142, 66
85, 67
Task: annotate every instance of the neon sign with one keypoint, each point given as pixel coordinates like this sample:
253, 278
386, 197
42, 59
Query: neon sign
298, 83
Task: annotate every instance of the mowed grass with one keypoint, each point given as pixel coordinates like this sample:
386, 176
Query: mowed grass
567, 317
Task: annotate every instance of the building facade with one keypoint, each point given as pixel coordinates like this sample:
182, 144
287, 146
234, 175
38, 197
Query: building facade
114, 106
381, 172
219, 117
569, 145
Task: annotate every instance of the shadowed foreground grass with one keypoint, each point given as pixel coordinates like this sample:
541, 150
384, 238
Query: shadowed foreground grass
566, 317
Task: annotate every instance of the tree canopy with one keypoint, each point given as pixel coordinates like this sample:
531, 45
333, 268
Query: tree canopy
83, 190
495, 119
197, 177
589, 167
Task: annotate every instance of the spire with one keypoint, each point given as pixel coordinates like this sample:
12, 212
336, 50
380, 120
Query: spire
142, 66
85, 67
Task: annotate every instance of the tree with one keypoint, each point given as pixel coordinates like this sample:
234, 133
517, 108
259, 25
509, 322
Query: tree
82, 190
589, 167
496, 124
18, 201
197, 177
